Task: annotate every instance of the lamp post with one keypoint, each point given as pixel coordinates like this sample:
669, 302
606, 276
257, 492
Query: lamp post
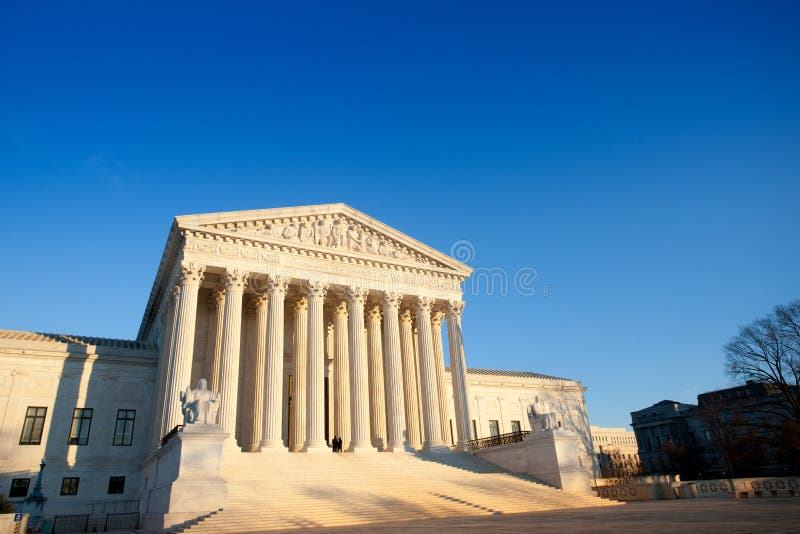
34, 503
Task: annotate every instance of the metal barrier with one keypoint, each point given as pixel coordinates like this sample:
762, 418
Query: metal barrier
122, 521
71, 523
169, 434
494, 441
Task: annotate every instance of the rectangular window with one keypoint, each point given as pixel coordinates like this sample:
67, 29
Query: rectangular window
81, 422
19, 487
474, 430
494, 427
515, 427
116, 485
69, 485
452, 438
34, 426
123, 431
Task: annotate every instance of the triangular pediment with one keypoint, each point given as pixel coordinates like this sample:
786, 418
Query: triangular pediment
334, 228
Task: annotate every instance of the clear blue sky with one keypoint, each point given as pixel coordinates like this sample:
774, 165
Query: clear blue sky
642, 157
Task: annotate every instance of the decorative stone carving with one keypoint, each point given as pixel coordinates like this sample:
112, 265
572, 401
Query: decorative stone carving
199, 405
235, 279
541, 417
454, 308
190, 273
333, 231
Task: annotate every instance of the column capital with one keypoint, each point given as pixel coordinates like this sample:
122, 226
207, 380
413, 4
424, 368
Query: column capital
217, 298
259, 300
373, 312
277, 286
249, 306
406, 316
436, 318
454, 308
235, 280
190, 273
300, 304
424, 306
355, 293
174, 292
340, 308
315, 289
391, 299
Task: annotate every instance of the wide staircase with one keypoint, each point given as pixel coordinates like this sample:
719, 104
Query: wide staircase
292, 491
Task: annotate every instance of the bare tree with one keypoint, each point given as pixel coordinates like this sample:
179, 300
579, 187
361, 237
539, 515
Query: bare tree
768, 351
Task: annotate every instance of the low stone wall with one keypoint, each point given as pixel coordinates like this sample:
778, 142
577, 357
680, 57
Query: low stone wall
671, 487
747, 488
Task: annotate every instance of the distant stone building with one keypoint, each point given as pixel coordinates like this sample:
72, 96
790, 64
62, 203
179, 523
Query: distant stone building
616, 451
729, 432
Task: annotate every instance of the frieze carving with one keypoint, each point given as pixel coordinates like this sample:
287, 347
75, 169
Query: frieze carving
332, 231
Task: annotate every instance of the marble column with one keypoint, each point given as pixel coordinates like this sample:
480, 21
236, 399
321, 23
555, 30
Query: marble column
430, 391
458, 372
415, 337
273, 386
254, 396
330, 351
164, 368
235, 282
359, 372
393, 367
300, 310
377, 397
247, 351
341, 372
437, 317
409, 380
189, 278
315, 369
214, 349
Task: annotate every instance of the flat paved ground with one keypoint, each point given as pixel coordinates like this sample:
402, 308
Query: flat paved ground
699, 515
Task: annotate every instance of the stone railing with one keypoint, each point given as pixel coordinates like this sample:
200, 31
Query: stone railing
494, 441
667, 487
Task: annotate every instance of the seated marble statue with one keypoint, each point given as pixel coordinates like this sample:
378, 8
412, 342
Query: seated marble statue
540, 416
199, 405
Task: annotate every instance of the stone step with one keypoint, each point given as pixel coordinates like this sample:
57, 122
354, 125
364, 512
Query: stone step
287, 491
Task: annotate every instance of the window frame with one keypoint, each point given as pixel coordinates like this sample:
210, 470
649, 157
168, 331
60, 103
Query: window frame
29, 425
66, 489
494, 428
124, 421
12, 488
116, 479
79, 417
516, 426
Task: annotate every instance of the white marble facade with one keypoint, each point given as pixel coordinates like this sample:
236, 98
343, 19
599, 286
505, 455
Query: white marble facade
310, 322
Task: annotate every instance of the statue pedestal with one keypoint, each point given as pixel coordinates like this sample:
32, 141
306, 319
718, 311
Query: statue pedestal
182, 480
548, 455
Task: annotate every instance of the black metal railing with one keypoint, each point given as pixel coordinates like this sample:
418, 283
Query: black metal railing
494, 441
70, 523
169, 434
122, 521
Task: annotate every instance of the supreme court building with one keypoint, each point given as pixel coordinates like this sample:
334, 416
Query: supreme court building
310, 322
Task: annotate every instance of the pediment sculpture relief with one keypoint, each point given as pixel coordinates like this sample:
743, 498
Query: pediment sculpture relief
335, 232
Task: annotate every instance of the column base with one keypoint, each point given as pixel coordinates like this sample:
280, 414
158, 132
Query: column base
436, 447
361, 446
256, 447
316, 447
269, 445
398, 446
297, 448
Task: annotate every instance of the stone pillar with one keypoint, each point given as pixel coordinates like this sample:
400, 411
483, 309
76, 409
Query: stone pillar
217, 304
164, 369
441, 387
235, 283
254, 402
330, 351
458, 372
377, 397
189, 278
300, 309
409, 380
395, 405
415, 337
247, 354
315, 369
359, 372
273, 386
430, 389
341, 371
